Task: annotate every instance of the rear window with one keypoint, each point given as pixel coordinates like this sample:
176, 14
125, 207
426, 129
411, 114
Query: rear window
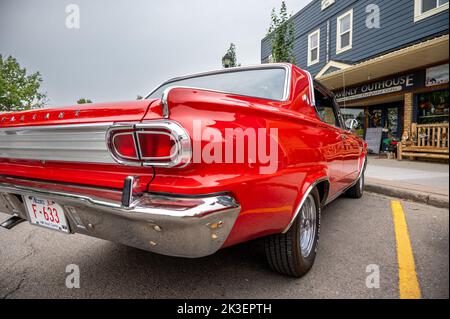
261, 83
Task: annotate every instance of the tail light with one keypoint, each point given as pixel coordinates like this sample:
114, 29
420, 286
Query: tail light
156, 143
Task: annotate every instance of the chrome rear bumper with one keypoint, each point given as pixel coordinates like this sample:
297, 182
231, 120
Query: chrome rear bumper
167, 224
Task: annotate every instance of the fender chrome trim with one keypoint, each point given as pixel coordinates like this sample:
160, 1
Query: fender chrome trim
299, 207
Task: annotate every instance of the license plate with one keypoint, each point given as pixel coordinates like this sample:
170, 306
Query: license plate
46, 213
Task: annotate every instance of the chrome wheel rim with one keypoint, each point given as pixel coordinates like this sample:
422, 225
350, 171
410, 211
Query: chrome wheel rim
308, 226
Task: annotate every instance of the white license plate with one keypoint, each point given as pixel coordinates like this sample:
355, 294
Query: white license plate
46, 213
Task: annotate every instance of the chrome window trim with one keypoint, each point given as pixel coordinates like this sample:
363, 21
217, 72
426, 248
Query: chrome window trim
180, 135
287, 82
311, 89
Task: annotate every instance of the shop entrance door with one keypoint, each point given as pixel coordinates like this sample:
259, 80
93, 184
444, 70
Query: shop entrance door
388, 117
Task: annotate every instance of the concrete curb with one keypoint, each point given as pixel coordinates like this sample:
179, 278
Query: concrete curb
436, 200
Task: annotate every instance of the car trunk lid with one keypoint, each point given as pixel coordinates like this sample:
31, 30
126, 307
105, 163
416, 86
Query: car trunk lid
83, 113
69, 144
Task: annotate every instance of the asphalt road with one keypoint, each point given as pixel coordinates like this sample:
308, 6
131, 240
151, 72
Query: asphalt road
355, 234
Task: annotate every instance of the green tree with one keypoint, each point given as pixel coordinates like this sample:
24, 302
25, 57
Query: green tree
282, 35
19, 91
229, 60
84, 101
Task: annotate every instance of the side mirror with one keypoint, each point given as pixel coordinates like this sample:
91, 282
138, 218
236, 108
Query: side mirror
351, 123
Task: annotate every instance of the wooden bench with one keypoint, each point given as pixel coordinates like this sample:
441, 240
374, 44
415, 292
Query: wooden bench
426, 141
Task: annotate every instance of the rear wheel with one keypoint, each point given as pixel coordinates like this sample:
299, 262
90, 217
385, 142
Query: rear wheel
294, 252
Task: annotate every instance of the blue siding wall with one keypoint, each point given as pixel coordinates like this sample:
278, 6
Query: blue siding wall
398, 29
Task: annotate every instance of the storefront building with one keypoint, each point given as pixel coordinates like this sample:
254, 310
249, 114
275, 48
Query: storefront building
386, 61
402, 101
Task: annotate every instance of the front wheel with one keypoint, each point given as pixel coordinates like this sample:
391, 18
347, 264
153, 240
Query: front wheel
357, 190
294, 252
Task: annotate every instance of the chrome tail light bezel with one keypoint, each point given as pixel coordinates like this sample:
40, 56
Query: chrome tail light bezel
183, 147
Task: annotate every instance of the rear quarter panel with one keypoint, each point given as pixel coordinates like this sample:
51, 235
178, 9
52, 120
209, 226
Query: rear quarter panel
268, 201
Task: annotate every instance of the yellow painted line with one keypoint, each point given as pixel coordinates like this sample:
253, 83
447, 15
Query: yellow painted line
408, 282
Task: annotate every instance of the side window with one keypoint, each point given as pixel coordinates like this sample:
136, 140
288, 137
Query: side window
325, 109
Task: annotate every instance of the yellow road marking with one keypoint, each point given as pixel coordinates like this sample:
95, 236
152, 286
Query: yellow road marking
408, 282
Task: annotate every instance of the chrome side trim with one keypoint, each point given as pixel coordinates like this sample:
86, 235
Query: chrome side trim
286, 92
165, 102
183, 150
299, 207
84, 143
168, 224
311, 89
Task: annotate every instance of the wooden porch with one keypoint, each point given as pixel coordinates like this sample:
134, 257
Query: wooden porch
425, 141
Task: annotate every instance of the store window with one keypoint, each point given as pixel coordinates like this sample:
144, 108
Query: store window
375, 118
392, 119
433, 107
344, 32
426, 8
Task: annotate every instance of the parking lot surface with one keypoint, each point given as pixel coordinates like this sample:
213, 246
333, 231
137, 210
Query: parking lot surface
357, 239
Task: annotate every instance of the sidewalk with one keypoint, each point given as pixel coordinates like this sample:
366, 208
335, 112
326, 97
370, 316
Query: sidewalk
418, 181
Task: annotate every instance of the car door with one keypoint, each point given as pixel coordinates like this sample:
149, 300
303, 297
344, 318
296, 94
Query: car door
350, 153
334, 139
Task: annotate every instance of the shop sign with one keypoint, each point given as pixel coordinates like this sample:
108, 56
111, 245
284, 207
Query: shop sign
382, 87
437, 75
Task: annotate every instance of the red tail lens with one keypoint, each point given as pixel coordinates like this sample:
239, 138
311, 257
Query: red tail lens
162, 143
156, 145
124, 145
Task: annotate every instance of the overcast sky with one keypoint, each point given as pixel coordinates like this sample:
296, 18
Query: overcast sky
126, 47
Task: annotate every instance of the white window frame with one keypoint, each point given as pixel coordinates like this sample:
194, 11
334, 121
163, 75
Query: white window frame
310, 48
419, 15
340, 49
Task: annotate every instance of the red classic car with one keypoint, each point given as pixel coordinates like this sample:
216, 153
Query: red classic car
204, 162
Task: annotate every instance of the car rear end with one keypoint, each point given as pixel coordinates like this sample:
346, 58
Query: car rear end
87, 169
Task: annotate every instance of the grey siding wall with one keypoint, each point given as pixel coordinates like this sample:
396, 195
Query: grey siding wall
398, 29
